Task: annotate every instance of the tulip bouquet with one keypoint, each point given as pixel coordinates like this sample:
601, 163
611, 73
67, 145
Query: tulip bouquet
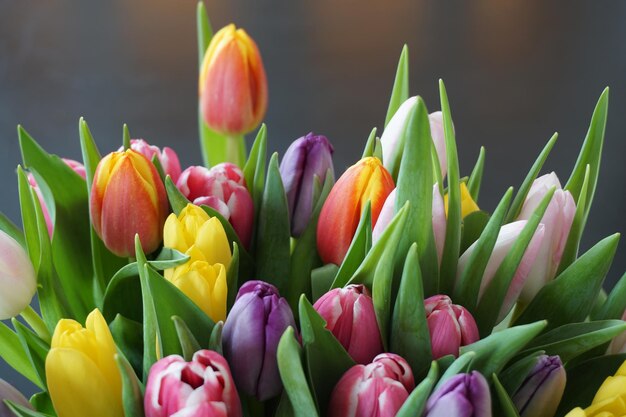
254, 288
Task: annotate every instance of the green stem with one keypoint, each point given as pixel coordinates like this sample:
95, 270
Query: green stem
36, 323
235, 150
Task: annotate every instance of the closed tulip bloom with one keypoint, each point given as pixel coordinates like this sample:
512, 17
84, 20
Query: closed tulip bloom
378, 389
203, 387
506, 238
367, 180
77, 167
128, 198
223, 188
557, 221
18, 281
393, 137
251, 334
468, 205
82, 375
349, 315
451, 326
306, 158
463, 395
541, 391
8, 392
232, 85
167, 157
610, 399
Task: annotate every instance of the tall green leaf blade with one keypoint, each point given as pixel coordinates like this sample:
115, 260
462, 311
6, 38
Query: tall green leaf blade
132, 389
476, 177
370, 145
35, 348
506, 406
400, 91
416, 402
13, 353
358, 250
254, 170
615, 305
8, 227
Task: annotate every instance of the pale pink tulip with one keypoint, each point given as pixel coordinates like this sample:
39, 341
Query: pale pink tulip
451, 326
18, 281
167, 157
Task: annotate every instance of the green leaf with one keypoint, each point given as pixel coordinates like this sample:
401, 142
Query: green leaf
188, 343
476, 177
205, 31
325, 357
128, 336
273, 238
416, 402
497, 349
458, 366
232, 277
513, 376
21, 411
215, 342
473, 226
507, 408
293, 377
254, 170
382, 293
8, 227
42, 403
177, 200
571, 340
370, 145
358, 250
168, 258
410, 337
520, 197
569, 298
452, 245
615, 305
400, 91
132, 389
35, 348
11, 350
322, 279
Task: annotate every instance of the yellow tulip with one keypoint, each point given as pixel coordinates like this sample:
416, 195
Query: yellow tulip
83, 378
610, 400
468, 205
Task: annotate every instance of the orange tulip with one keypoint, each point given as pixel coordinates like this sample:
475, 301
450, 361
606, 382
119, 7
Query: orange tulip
128, 198
365, 181
232, 85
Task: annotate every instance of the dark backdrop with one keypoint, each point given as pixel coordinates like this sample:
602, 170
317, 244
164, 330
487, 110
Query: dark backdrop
516, 71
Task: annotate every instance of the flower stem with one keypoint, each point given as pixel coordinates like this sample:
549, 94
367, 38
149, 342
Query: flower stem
235, 150
36, 323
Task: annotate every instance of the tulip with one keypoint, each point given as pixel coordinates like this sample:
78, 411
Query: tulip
375, 390
82, 375
365, 181
610, 399
618, 344
451, 326
167, 157
557, 221
394, 137
251, 334
306, 158
232, 85
468, 205
77, 167
506, 238
349, 315
541, 391
463, 395
18, 280
8, 392
128, 198
223, 188
438, 219
203, 387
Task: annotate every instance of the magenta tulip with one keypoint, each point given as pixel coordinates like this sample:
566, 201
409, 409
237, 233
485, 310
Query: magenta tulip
167, 157
203, 387
463, 395
375, 390
451, 326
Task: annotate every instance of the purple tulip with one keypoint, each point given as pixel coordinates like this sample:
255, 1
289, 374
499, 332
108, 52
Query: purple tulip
541, 391
463, 395
8, 392
307, 157
250, 337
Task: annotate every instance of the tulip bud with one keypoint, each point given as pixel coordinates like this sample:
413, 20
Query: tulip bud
468, 205
438, 216
232, 85
506, 238
223, 188
203, 387
375, 390
463, 395
128, 198
306, 158
167, 157
82, 375
541, 391
18, 280
8, 392
451, 326
349, 315
77, 167
367, 180
393, 137
251, 334
557, 221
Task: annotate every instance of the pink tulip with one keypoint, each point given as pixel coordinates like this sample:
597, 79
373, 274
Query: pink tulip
349, 314
557, 221
223, 188
506, 238
375, 390
203, 387
77, 167
451, 326
167, 157
438, 215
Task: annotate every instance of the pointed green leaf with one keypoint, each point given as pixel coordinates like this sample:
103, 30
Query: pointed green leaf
132, 389
615, 305
188, 343
128, 336
359, 247
476, 177
370, 145
8, 227
35, 348
506, 406
400, 91
215, 342
416, 402
232, 277
473, 226
125, 137
21, 411
254, 170
322, 279
177, 200
13, 353
458, 366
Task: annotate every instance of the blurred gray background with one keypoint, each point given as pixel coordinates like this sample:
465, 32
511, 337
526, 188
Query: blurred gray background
515, 71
